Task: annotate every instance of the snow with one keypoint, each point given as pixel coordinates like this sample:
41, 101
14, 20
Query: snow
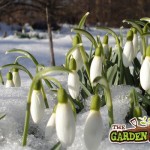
13, 100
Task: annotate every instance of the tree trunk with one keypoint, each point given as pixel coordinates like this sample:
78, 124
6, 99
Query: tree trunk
52, 60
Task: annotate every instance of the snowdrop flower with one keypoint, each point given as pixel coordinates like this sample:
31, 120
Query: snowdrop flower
37, 103
96, 65
93, 130
65, 120
76, 54
106, 46
145, 71
9, 82
135, 41
50, 127
16, 78
128, 51
73, 80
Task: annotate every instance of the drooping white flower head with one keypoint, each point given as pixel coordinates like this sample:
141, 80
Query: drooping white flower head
73, 80
16, 78
9, 81
51, 126
76, 54
145, 71
135, 41
93, 131
37, 104
96, 65
106, 46
128, 51
65, 120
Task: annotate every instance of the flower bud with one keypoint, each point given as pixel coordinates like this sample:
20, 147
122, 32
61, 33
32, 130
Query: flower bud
73, 80
76, 54
37, 103
16, 77
128, 51
96, 65
135, 41
9, 82
145, 71
50, 127
106, 46
65, 120
93, 131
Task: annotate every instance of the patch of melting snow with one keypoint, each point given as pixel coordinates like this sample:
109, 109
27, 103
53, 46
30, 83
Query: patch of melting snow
13, 103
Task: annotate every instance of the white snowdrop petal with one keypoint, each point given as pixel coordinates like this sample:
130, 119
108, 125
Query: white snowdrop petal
145, 74
9, 83
77, 56
50, 127
96, 68
65, 124
37, 106
73, 84
16, 79
106, 49
93, 130
128, 53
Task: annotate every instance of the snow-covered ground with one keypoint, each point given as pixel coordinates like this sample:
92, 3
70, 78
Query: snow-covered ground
13, 100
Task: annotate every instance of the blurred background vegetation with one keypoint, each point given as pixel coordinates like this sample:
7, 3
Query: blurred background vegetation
102, 12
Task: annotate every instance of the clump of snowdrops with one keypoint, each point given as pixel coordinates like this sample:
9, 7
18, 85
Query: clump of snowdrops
89, 75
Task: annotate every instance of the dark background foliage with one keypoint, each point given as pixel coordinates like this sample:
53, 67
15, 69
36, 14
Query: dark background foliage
102, 12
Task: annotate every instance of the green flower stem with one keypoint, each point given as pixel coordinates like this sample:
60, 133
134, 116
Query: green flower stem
38, 69
87, 34
109, 105
131, 102
84, 58
82, 21
91, 52
19, 67
144, 47
54, 80
27, 54
17, 58
2, 116
85, 89
27, 117
139, 29
120, 61
38, 76
103, 81
1, 78
70, 52
44, 97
